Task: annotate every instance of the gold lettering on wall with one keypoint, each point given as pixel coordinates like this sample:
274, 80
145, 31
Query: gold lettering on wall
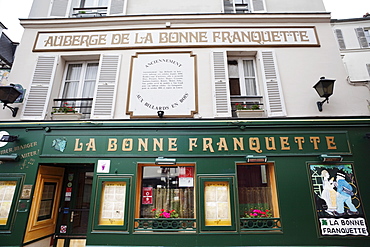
315, 140
330, 142
299, 141
284, 143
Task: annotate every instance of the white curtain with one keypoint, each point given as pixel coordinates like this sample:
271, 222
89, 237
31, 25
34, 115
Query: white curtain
249, 77
72, 81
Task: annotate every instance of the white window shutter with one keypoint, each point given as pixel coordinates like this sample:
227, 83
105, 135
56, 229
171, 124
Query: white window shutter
273, 92
38, 96
105, 93
59, 8
340, 38
361, 37
221, 86
117, 7
258, 6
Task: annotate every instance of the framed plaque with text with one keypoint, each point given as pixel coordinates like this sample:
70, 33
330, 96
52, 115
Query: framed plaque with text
163, 82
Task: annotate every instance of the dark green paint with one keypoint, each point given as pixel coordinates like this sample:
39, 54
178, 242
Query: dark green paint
297, 213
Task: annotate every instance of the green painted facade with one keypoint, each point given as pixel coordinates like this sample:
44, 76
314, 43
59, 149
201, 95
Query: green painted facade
214, 146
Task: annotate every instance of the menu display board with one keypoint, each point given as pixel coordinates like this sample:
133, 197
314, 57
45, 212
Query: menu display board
217, 203
112, 203
7, 190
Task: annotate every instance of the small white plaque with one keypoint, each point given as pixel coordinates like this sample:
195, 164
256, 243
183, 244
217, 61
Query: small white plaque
103, 166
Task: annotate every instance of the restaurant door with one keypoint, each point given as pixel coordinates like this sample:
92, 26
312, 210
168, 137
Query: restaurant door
74, 207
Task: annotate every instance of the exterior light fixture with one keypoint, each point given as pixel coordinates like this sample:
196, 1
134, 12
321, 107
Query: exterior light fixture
8, 138
165, 161
9, 157
331, 158
256, 159
8, 94
324, 87
160, 114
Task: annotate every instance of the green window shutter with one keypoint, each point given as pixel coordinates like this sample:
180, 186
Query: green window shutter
37, 100
340, 38
117, 7
221, 86
361, 37
59, 8
273, 92
259, 6
103, 105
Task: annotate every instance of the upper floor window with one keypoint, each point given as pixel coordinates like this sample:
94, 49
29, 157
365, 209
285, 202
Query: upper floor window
242, 76
367, 35
79, 86
94, 3
244, 6
236, 6
363, 36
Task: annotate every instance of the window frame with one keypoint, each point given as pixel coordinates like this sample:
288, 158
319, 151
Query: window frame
98, 202
235, 5
202, 203
95, 4
186, 224
242, 77
82, 79
18, 178
271, 178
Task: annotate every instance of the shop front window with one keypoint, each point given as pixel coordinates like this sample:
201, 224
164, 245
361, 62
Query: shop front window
258, 207
166, 198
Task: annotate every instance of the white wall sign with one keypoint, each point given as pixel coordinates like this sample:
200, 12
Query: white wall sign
103, 166
162, 82
257, 36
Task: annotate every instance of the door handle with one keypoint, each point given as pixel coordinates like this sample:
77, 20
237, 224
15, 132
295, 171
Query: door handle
72, 215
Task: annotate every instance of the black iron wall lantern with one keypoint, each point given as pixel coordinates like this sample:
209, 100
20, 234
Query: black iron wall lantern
324, 87
8, 94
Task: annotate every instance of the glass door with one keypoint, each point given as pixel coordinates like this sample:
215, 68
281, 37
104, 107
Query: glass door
74, 208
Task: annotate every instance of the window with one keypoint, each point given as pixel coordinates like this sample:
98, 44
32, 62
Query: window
236, 6
242, 77
166, 198
243, 6
94, 3
79, 86
47, 201
243, 84
258, 207
340, 38
363, 36
368, 68
367, 35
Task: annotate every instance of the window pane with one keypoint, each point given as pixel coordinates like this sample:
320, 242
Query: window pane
165, 189
7, 190
250, 81
90, 80
47, 201
234, 86
72, 81
112, 203
255, 190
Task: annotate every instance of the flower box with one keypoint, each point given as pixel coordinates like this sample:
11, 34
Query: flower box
250, 113
66, 116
